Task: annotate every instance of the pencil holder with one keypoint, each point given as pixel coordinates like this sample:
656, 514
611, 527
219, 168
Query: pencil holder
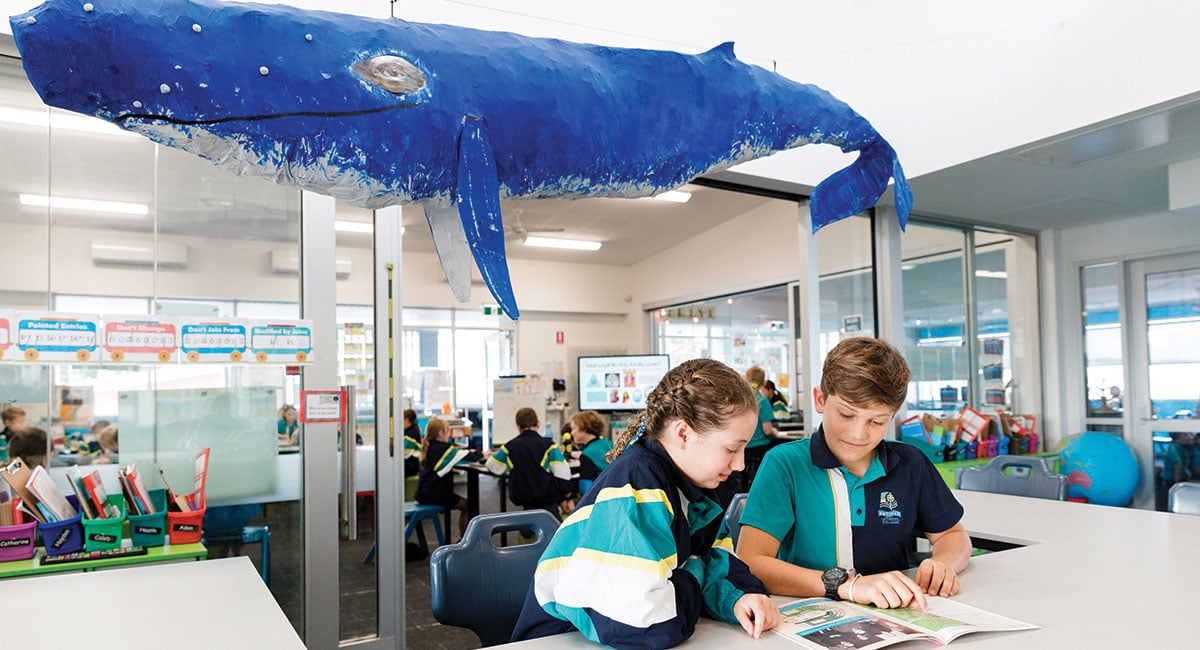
185, 527
16, 541
60, 537
150, 530
102, 534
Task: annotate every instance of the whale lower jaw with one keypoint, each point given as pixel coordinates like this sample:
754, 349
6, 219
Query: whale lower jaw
323, 175
327, 174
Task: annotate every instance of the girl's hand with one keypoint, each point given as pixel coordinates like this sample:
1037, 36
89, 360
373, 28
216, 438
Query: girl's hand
757, 613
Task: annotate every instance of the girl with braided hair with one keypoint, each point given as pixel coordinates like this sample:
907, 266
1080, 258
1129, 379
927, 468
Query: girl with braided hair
647, 550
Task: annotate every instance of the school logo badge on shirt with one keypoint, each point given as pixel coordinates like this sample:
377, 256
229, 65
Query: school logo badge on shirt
889, 512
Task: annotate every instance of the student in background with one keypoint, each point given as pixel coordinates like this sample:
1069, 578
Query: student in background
760, 443
438, 457
412, 444
107, 441
1176, 467
638, 568
14, 420
1195, 468
586, 429
777, 399
288, 428
30, 445
833, 515
538, 474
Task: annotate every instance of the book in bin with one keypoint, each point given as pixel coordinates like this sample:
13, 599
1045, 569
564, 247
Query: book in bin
821, 623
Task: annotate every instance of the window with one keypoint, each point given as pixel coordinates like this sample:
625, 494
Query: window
1103, 340
741, 330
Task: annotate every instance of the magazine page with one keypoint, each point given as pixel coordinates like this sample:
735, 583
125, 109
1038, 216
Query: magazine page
949, 619
822, 623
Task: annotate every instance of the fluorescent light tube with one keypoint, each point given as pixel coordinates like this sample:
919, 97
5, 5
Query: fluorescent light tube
353, 226
674, 196
84, 205
42, 119
572, 244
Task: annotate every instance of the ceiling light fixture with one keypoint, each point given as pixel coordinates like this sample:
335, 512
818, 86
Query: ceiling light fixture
353, 226
673, 196
80, 123
571, 244
84, 205
998, 275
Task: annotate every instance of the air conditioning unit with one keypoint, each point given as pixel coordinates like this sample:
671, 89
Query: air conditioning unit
287, 262
132, 252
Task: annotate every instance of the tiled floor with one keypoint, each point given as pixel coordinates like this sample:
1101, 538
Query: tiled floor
357, 589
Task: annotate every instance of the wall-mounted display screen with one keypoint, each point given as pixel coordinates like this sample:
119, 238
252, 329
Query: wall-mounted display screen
619, 383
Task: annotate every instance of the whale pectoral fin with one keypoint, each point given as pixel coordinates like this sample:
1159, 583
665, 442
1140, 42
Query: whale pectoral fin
859, 186
453, 252
479, 210
902, 192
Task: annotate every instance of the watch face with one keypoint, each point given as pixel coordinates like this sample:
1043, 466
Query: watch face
834, 576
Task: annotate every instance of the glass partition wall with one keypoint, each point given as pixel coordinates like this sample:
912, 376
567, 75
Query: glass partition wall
966, 342
102, 222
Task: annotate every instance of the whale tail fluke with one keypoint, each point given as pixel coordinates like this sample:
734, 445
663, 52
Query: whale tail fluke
859, 186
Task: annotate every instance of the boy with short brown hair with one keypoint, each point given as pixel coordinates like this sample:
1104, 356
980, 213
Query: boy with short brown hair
538, 474
833, 514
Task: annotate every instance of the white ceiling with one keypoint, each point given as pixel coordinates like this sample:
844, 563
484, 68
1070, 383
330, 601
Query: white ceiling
969, 82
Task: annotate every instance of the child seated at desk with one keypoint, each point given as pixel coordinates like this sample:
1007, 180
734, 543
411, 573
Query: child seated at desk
29, 445
586, 429
412, 444
538, 474
833, 515
438, 457
648, 551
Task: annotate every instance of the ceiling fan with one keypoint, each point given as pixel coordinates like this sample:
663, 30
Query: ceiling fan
518, 231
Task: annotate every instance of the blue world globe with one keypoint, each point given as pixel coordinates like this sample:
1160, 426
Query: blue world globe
1099, 467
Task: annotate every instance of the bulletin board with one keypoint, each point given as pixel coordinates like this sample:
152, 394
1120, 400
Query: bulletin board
511, 395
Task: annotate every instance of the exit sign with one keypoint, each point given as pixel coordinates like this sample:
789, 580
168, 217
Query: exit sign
492, 310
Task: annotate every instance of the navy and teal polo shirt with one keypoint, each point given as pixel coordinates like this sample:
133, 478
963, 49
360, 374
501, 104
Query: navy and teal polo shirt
765, 414
901, 494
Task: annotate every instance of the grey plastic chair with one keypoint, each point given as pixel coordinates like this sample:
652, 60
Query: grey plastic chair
733, 515
1184, 498
1016, 475
480, 586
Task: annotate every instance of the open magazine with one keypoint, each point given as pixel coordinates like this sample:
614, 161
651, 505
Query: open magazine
824, 623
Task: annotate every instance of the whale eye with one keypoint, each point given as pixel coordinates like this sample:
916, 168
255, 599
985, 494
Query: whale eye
391, 73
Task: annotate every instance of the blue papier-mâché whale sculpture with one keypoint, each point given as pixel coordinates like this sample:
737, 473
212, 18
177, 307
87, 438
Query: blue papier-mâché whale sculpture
380, 112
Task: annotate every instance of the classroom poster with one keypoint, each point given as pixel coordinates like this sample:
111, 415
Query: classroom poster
288, 341
213, 341
6, 318
140, 339
50, 336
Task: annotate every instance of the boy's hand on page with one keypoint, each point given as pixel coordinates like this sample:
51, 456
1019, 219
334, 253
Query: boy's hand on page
757, 613
888, 590
937, 578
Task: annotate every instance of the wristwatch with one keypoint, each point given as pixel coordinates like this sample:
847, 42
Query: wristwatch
833, 577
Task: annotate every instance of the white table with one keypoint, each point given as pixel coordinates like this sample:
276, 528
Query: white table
1092, 577
202, 605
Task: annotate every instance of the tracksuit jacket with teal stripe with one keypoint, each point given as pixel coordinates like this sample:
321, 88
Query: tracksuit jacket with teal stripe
644, 554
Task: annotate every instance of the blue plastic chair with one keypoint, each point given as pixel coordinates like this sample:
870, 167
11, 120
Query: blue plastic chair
414, 514
733, 515
1016, 475
1184, 498
481, 586
228, 524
